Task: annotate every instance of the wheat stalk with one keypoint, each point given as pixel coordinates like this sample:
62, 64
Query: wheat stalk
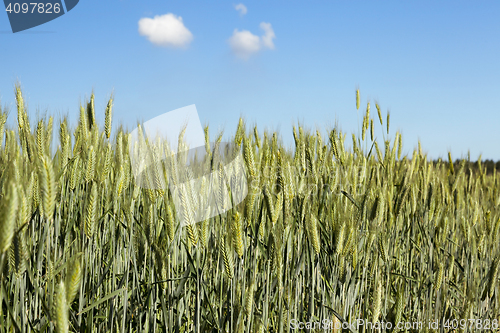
108, 117
91, 161
312, 226
91, 216
237, 233
91, 111
227, 256
61, 309
47, 187
73, 280
377, 301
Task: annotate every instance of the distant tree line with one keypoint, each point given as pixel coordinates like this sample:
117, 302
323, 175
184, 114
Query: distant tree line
487, 166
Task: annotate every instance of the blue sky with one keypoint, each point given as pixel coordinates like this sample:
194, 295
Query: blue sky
434, 64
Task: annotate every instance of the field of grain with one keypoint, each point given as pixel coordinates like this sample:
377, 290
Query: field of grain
326, 232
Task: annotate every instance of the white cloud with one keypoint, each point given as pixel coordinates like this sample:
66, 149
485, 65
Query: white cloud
267, 38
165, 30
241, 8
244, 43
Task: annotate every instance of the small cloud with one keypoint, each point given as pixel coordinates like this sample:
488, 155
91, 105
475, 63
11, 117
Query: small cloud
244, 44
267, 38
241, 8
165, 30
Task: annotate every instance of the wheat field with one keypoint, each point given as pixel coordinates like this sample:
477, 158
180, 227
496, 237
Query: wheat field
337, 228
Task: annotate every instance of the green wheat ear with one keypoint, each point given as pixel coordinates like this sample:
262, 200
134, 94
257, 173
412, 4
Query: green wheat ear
312, 226
40, 139
388, 120
170, 221
269, 203
192, 233
91, 161
379, 113
3, 120
240, 132
91, 111
73, 279
237, 234
18, 253
249, 158
377, 301
372, 130
256, 137
47, 187
249, 294
340, 239
108, 117
205, 232
227, 256
495, 268
48, 134
439, 276
399, 305
20, 106
83, 127
91, 216
8, 215
61, 309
